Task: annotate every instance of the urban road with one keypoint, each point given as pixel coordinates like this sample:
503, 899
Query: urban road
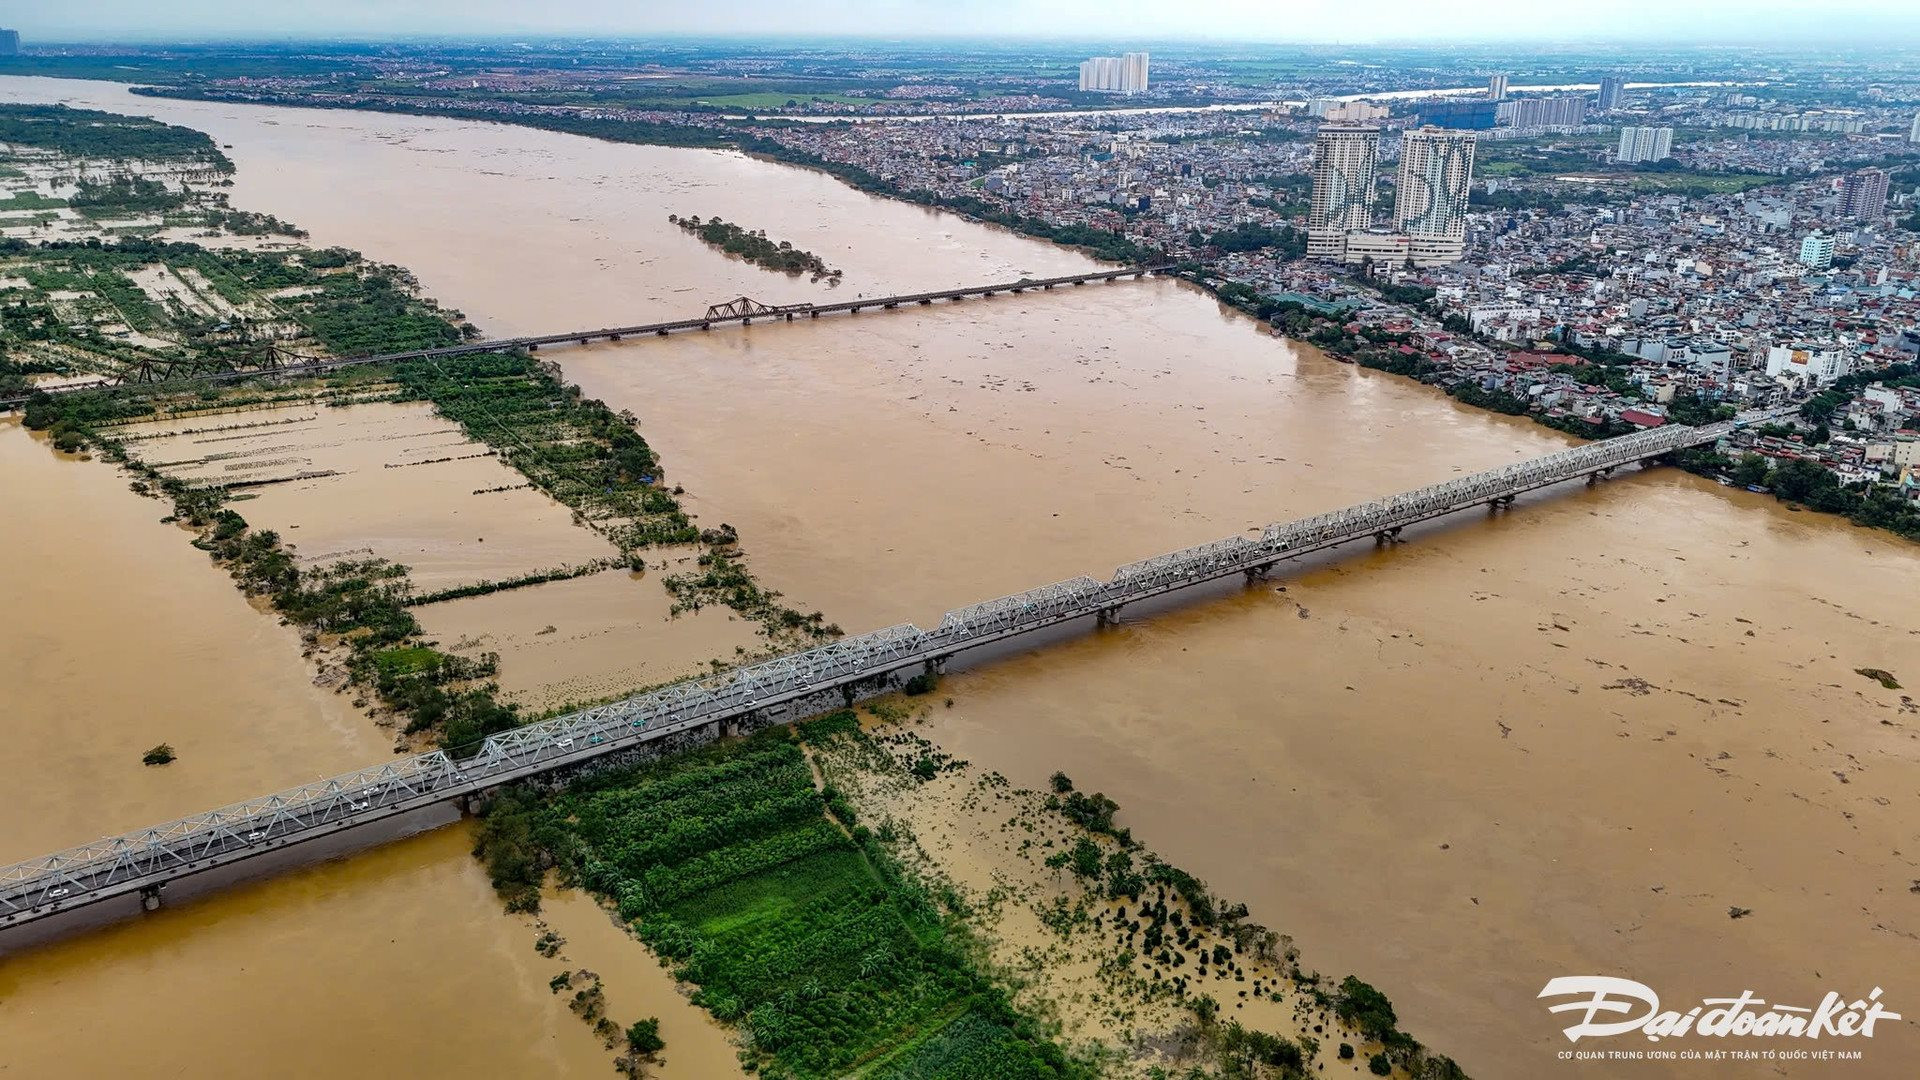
742, 312
774, 691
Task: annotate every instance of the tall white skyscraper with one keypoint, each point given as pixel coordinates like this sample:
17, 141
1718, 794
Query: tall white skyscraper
1914, 135
1430, 198
1816, 251
1644, 144
1118, 74
1497, 87
1345, 161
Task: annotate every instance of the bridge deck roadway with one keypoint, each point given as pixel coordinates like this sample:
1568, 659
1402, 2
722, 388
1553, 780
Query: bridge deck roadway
614, 333
776, 689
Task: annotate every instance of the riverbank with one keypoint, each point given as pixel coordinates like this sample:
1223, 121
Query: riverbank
1797, 482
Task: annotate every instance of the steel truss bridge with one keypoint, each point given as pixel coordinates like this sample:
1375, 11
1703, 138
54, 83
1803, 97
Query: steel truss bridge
765, 693
742, 311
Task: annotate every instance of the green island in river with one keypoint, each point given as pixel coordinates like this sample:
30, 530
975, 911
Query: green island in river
756, 248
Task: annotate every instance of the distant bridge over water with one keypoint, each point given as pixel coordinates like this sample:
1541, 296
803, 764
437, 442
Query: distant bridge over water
774, 691
742, 312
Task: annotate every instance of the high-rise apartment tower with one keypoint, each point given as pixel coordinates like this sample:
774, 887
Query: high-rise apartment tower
1430, 197
1612, 90
1345, 161
1863, 195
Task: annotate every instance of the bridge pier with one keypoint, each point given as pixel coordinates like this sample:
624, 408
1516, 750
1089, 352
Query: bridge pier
150, 898
662, 331
1257, 573
706, 326
1110, 616
813, 314
789, 316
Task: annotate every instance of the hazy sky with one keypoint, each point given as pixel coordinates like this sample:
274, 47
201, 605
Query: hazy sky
1881, 21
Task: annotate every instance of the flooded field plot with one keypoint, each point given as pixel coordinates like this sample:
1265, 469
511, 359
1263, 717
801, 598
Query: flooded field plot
395, 481
591, 637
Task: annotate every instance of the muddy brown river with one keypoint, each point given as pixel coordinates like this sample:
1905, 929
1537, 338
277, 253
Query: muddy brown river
1565, 740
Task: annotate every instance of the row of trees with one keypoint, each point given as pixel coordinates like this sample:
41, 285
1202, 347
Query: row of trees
1816, 487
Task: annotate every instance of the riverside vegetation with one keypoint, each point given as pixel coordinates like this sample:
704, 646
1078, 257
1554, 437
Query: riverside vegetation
756, 248
786, 877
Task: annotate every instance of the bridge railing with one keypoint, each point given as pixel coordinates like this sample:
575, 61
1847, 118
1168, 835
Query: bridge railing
189, 842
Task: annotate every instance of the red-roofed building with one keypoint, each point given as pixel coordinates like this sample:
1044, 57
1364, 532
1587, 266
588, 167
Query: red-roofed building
1641, 419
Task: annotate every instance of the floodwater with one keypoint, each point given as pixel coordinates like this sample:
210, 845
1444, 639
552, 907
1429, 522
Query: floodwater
397, 962
119, 635
1567, 740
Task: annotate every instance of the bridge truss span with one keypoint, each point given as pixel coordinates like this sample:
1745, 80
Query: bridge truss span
143, 861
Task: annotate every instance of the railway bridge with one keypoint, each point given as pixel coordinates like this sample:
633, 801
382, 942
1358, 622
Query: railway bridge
743, 312
774, 691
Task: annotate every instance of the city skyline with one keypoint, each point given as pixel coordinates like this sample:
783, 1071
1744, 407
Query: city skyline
1865, 22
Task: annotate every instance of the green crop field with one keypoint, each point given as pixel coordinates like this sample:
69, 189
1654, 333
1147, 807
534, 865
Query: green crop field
791, 919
